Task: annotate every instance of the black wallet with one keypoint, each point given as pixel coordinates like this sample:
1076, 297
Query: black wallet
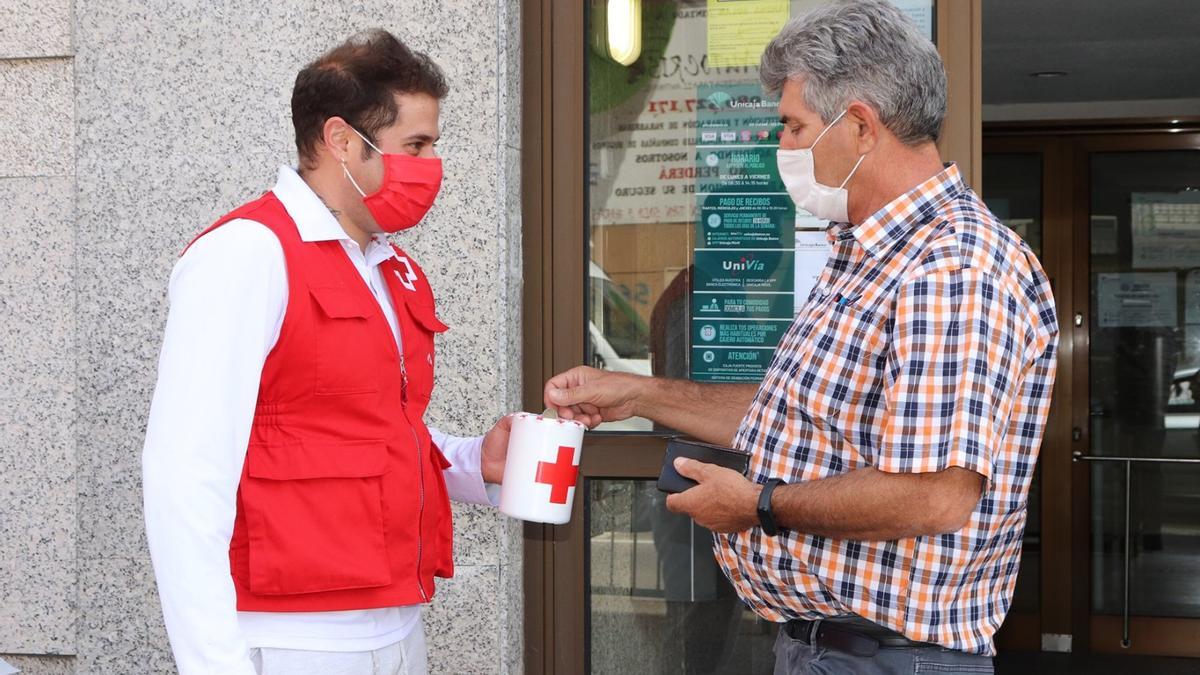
670, 480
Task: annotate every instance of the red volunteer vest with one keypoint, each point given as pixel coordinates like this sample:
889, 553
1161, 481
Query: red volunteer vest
342, 503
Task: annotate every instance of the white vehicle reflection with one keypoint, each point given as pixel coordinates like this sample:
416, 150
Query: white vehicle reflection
1183, 406
618, 338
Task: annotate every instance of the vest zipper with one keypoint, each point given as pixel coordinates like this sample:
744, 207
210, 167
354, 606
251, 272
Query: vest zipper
420, 475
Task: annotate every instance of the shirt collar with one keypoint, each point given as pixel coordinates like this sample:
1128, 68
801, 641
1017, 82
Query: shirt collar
312, 217
379, 250
890, 224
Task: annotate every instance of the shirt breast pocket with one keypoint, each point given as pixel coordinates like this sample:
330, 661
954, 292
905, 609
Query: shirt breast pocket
842, 358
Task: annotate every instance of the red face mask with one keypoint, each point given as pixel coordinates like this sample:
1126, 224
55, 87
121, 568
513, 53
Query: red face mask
410, 184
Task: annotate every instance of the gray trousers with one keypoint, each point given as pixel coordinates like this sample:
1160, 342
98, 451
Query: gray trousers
793, 657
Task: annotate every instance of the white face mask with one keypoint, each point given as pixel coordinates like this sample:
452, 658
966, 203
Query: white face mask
798, 172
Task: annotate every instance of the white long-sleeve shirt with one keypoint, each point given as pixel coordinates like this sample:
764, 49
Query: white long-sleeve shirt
228, 296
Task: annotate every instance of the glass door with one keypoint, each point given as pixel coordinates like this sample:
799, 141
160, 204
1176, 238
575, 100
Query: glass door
1143, 364
697, 263
1013, 190
648, 166
1112, 545
1028, 185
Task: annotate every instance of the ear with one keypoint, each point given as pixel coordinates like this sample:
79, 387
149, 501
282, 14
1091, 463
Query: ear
336, 135
866, 126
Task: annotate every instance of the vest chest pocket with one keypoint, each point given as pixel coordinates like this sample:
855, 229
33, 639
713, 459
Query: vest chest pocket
347, 358
314, 516
419, 352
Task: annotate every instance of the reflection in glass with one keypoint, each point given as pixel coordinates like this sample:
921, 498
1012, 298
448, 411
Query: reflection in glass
659, 602
641, 197
683, 192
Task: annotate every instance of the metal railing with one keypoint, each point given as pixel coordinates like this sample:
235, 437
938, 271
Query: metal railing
1129, 462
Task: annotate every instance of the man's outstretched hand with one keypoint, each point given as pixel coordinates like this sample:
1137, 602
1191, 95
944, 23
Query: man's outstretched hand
593, 396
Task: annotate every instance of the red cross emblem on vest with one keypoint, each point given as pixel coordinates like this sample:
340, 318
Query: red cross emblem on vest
561, 475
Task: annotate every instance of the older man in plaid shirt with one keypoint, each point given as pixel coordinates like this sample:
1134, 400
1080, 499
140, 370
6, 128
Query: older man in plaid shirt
894, 437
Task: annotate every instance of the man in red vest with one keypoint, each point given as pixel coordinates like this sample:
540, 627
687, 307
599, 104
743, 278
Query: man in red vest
297, 505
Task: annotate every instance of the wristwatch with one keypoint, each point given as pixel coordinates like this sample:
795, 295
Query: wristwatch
766, 515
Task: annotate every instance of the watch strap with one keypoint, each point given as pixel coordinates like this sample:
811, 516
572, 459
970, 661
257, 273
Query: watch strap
766, 515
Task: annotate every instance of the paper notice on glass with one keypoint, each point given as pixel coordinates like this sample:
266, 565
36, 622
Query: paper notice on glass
739, 30
1021, 226
1104, 235
1166, 229
1137, 299
807, 221
1192, 298
921, 13
812, 252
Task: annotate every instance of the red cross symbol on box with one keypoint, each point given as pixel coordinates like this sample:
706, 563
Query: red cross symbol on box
561, 476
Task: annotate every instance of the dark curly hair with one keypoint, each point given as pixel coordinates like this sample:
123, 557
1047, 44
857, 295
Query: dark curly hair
358, 81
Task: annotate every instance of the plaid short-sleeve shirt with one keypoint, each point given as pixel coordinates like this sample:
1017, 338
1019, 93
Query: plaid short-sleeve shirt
928, 342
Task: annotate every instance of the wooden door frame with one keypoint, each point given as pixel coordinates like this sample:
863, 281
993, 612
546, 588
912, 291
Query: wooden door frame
1066, 526
553, 177
554, 201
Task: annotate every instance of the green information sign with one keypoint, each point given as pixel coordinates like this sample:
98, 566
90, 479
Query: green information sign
744, 270
738, 332
749, 305
710, 364
736, 170
746, 221
745, 234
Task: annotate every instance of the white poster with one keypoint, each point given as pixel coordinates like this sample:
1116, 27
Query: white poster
1192, 298
1104, 235
1166, 229
921, 13
812, 252
1137, 299
1022, 227
738, 32
807, 221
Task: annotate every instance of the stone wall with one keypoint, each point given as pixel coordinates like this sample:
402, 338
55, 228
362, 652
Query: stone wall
129, 128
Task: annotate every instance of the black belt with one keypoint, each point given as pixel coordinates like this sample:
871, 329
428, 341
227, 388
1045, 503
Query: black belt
850, 635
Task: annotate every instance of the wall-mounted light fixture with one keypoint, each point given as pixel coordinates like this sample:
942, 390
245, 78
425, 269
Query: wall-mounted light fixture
617, 29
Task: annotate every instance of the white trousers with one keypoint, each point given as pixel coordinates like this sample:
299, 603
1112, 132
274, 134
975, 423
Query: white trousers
406, 657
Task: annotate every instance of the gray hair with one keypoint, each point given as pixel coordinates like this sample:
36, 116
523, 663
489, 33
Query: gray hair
864, 50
